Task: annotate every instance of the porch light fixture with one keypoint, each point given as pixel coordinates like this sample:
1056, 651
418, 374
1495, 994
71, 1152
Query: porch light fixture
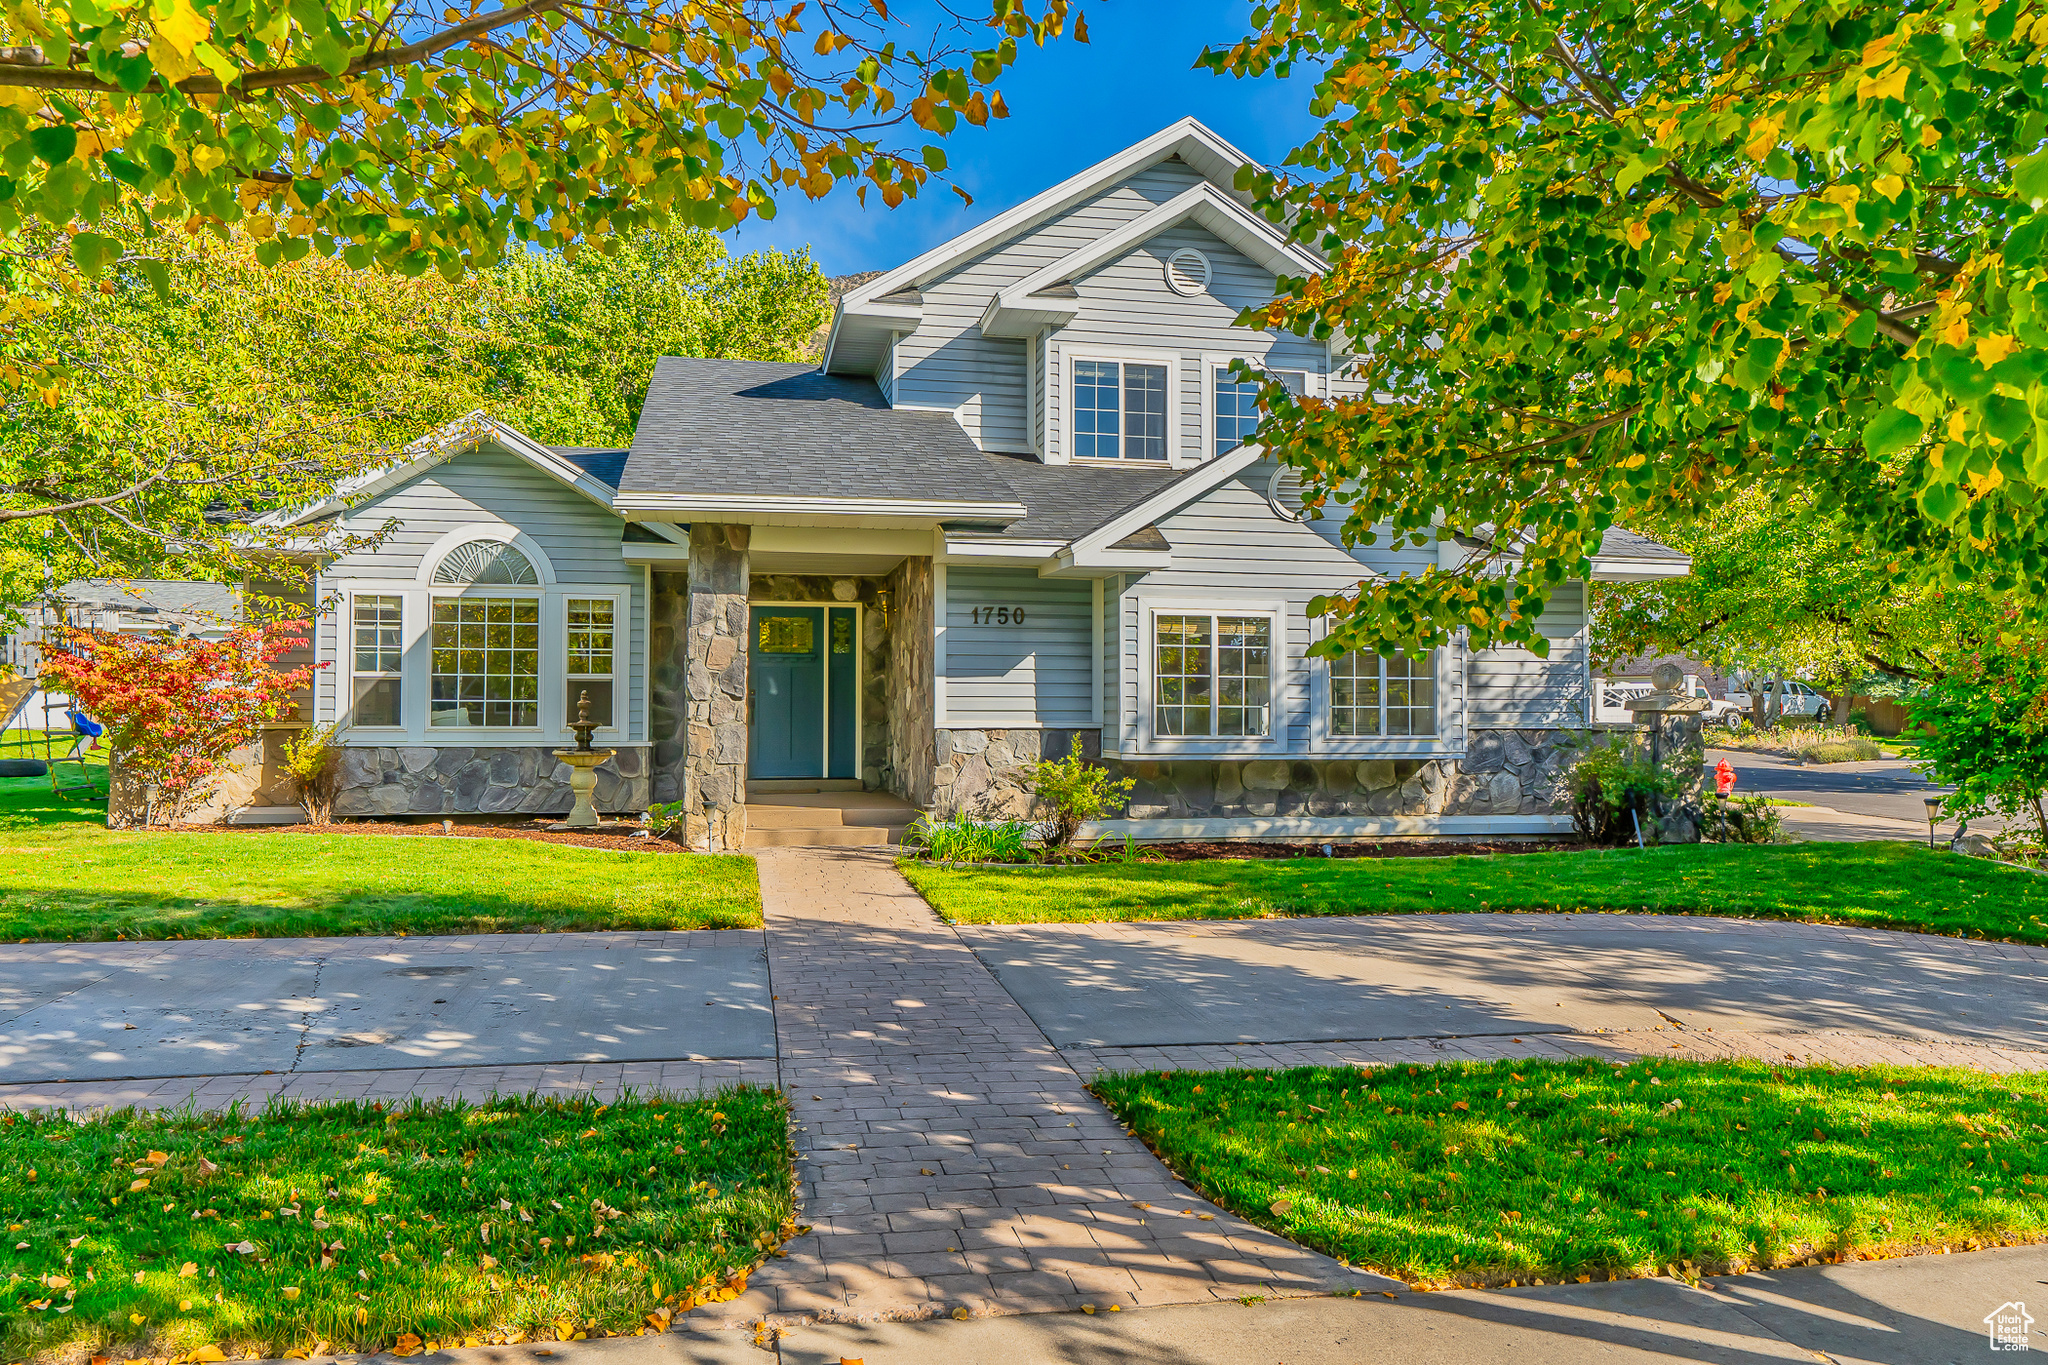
1933, 804
882, 601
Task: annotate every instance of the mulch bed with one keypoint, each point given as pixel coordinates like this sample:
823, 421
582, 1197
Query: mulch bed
624, 842
1398, 848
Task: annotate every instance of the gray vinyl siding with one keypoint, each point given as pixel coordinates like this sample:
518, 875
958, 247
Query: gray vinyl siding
1229, 547
885, 373
1127, 304
1511, 688
947, 363
579, 538
1040, 673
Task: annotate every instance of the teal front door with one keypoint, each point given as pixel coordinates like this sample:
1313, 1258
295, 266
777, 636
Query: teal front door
803, 692
786, 696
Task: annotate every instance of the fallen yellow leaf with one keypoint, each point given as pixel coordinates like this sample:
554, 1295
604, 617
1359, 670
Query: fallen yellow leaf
207, 1352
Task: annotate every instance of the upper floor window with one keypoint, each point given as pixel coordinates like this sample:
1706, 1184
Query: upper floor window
1373, 695
1212, 675
1237, 406
1119, 410
484, 561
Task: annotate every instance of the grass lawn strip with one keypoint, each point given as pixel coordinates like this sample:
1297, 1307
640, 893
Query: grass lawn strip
1479, 1174
347, 1228
1872, 885
63, 875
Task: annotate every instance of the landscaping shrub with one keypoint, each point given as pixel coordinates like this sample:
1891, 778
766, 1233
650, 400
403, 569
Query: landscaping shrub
1747, 819
313, 758
1989, 719
1802, 739
965, 840
1614, 792
1074, 791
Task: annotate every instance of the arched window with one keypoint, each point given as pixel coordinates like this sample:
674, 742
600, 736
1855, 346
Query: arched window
484, 561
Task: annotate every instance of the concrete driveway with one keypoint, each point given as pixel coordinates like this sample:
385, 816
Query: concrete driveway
1418, 976
89, 1011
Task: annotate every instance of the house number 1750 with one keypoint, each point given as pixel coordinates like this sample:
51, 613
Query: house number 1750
998, 616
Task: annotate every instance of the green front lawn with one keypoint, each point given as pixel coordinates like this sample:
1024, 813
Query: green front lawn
1877, 885
341, 1227
64, 875
1520, 1171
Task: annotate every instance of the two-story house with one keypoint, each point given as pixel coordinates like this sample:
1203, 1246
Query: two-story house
1012, 505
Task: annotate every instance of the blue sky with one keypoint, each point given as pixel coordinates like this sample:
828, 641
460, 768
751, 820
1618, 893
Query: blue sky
1070, 106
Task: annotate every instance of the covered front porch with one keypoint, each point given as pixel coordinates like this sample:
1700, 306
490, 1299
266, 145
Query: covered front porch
791, 682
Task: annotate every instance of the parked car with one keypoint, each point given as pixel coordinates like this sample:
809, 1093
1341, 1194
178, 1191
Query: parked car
1800, 700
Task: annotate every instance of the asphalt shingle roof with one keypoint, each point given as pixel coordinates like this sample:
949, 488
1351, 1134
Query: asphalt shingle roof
748, 427
1065, 502
1626, 544
603, 463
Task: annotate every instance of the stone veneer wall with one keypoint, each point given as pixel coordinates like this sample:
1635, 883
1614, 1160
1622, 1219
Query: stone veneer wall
876, 768
986, 774
475, 780
910, 687
715, 753
668, 693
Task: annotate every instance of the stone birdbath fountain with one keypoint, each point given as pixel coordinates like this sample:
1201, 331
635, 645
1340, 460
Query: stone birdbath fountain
582, 761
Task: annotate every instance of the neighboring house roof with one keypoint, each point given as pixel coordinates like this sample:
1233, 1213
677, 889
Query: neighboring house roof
756, 439
1619, 542
155, 597
1063, 502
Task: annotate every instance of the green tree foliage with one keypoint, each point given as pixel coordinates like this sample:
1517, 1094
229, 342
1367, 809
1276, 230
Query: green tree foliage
249, 388
1601, 263
578, 338
417, 137
1780, 587
257, 387
1990, 739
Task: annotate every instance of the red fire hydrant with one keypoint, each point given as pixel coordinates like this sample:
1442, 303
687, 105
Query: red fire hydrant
1724, 778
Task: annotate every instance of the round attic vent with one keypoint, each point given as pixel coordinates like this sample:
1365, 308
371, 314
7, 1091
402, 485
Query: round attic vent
1187, 271
1284, 493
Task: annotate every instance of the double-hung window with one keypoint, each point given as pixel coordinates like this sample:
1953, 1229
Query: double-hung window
1212, 676
1236, 406
486, 663
377, 622
1119, 410
590, 657
1377, 695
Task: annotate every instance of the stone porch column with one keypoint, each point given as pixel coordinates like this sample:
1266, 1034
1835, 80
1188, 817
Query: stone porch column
715, 759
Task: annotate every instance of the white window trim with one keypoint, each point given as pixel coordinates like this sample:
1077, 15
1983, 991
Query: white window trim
1215, 361
622, 609
1449, 736
416, 666
345, 704
1278, 658
1071, 356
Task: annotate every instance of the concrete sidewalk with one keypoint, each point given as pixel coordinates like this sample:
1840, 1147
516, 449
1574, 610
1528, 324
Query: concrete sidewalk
1922, 1310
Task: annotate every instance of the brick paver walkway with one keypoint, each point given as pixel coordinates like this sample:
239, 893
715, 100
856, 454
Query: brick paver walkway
949, 1156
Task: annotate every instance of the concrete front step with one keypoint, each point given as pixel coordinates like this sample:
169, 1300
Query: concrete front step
763, 786
828, 811
844, 836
